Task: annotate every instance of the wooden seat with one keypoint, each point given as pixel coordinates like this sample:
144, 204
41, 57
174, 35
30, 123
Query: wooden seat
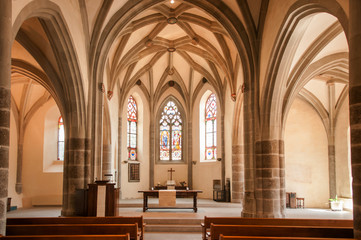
280, 231
68, 237
74, 229
271, 221
80, 220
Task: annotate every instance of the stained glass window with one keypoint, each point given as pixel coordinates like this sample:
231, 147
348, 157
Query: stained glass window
132, 116
170, 127
60, 139
211, 127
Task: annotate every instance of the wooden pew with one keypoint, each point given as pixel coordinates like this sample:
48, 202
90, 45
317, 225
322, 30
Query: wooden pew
271, 221
280, 231
68, 237
80, 220
222, 237
74, 229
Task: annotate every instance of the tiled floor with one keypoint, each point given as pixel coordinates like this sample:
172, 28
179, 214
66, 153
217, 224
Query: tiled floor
205, 208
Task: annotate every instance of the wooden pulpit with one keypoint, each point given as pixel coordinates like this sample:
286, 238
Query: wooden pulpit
102, 199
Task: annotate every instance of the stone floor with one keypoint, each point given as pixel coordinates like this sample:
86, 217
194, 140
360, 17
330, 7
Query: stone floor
133, 207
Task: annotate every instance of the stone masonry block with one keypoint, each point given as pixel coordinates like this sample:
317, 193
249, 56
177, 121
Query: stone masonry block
4, 157
270, 161
76, 143
4, 174
355, 136
356, 154
356, 176
76, 171
271, 146
4, 136
3, 205
5, 98
271, 183
354, 96
5, 118
271, 194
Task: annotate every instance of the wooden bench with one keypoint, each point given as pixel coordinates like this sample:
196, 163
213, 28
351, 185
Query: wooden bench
68, 237
74, 229
280, 231
222, 237
80, 220
271, 221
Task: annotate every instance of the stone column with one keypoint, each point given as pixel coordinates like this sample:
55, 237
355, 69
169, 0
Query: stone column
74, 177
331, 139
190, 147
237, 174
119, 174
5, 102
107, 165
223, 172
249, 203
355, 109
268, 182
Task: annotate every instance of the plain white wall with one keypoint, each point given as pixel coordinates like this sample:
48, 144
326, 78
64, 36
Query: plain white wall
306, 155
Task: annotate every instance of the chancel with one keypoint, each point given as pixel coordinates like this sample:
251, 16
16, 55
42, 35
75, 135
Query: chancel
171, 183
150, 94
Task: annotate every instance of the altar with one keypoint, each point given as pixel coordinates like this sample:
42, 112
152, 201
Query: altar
177, 193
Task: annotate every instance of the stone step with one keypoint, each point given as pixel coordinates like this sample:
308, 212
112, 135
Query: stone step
173, 221
172, 228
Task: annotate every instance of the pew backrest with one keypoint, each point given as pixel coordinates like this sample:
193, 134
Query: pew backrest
74, 229
80, 220
68, 237
222, 237
280, 231
272, 221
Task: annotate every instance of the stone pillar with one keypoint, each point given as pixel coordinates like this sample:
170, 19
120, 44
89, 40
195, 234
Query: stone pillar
119, 174
249, 203
355, 110
237, 174
223, 162
190, 147
268, 181
152, 147
331, 139
282, 173
5, 102
74, 177
107, 165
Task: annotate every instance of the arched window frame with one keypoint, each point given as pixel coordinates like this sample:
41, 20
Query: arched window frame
61, 139
132, 128
183, 132
210, 128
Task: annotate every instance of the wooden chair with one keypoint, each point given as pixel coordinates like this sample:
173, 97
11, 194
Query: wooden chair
271, 221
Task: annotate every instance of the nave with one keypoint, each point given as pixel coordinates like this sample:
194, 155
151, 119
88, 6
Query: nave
181, 223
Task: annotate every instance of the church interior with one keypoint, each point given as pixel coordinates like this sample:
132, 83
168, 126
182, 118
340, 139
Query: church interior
247, 101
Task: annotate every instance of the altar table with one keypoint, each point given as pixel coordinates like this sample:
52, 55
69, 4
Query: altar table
179, 193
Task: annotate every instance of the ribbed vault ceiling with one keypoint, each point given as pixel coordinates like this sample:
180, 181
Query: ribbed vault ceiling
173, 40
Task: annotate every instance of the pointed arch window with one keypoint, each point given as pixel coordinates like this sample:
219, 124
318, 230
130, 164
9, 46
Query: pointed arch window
171, 133
132, 116
211, 128
61, 137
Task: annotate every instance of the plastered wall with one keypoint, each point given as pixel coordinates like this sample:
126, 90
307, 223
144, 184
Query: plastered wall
39, 187
306, 156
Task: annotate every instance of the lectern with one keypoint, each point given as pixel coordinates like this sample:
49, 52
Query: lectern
102, 199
